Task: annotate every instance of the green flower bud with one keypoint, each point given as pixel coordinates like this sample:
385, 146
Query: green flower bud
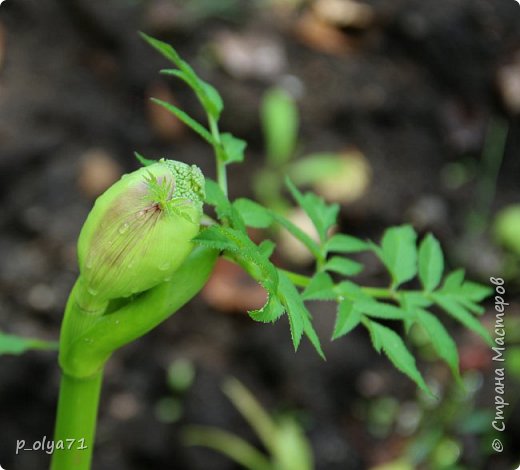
139, 232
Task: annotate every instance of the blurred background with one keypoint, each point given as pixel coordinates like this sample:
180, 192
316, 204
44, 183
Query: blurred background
401, 110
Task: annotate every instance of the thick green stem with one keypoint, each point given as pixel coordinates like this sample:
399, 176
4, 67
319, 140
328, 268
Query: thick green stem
76, 422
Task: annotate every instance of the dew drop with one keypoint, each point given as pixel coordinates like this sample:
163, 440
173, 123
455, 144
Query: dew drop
141, 214
92, 291
165, 266
123, 227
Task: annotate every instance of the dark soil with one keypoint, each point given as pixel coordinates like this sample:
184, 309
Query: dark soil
414, 93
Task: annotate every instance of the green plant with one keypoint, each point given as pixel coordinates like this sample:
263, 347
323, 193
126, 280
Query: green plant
142, 257
339, 176
283, 438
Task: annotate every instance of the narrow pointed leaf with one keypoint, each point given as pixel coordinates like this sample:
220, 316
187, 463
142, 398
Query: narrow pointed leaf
186, 119
347, 319
393, 346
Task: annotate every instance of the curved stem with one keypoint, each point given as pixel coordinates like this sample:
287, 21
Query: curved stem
217, 146
76, 422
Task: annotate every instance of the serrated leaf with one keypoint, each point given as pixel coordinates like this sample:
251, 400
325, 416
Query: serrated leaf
311, 334
320, 287
280, 125
442, 342
471, 306
270, 312
393, 346
341, 243
233, 148
16, 345
295, 308
253, 214
347, 318
399, 254
459, 312
244, 251
410, 302
380, 310
226, 212
143, 160
475, 292
186, 119
322, 215
343, 266
431, 262
453, 281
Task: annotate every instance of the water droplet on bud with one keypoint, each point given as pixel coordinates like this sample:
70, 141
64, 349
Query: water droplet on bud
92, 291
164, 266
124, 227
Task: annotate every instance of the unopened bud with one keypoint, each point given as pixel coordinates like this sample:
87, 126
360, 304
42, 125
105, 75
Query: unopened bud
139, 231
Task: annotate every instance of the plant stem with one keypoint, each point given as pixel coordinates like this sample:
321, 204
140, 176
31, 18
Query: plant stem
76, 422
377, 292
217, 146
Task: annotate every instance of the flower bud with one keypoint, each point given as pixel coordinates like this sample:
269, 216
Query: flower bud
139, 231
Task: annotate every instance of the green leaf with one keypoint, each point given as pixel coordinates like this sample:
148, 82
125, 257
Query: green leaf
253, 214
241, 248
341, 243
296, 310
442, 342
16, 345
475, 292
399, 254
299, 316
226, 212
189, 121
380, 310
322, 215
270, 312
321, 287
280, 125
207, 95
312, 336
347, 318
213, 98
298, 233
349, 290
391, 343
233, 148
267, 248
453, 281
234, 447
431, 262
343, 266
410, 302
456, 310
144, 161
